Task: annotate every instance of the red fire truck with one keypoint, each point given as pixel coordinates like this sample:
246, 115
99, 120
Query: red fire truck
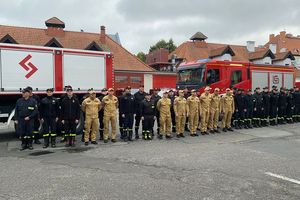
47, 67
229, 74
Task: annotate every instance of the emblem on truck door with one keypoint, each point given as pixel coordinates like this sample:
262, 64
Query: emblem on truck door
275, 79
28, 66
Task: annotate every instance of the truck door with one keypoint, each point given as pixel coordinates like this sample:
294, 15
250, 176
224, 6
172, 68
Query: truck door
213, 77
236, 77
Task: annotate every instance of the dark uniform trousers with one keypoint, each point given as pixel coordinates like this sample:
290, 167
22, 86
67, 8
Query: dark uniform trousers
148, 124
128, 124
25, 129
70, 128
49, 130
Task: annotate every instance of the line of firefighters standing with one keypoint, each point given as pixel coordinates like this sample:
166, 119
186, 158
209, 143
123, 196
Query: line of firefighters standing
187, 111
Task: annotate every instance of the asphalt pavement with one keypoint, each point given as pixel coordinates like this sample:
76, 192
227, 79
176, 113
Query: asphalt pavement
262, 163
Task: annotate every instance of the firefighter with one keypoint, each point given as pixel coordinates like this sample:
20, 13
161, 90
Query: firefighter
193, 112
297, 105
227, 109
273, 106
139, 97
25, 113
172, 97
215, 109
282, 105
91, 107
180, 109
148, 113
101, 114
36, 126
187, 94
49, 116
290, 106
266, 106
121, 119
258, 108
126, 109
70, 116
240, 109
110, 106
249, 104
155, 98
164, 107
205, 100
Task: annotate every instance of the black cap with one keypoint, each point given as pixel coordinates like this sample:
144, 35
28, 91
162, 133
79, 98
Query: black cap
25, 90
266, 88
142, 85
49, 90
104, 90
258, 88
274, 86
249, 90
171, 91
29, 88
69, 88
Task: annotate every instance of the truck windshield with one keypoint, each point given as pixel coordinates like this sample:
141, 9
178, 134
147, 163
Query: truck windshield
192, 75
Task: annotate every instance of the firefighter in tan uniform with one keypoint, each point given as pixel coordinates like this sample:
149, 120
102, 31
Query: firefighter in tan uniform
91, 107
110, 106
193, 112
205, 99
215, 109
180, 113
164, 108
227, 109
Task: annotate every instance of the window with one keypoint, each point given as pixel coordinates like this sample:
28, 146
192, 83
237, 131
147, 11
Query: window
195, 75
236, 77
213, 75
136, 79
121, 79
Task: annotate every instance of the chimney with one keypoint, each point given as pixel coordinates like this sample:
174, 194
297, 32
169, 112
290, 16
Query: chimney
273, 48
251, 46
282, 35
102, 35
271, 37
55, 27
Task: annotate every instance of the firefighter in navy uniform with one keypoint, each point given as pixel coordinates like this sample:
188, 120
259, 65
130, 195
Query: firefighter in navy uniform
70, 116
139, 97
297, 105
172, 97
282, 105
36, 126
126, 109
148, 113
273, 106
155, 98
249, 102
25, 113
290, 109
49, 117
101, 113
121, 119
266, 106
240, 110
258, 108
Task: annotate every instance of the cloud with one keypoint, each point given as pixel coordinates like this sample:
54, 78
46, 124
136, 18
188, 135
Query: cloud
142, 23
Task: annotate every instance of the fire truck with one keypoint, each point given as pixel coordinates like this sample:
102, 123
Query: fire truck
231, 74
49, 67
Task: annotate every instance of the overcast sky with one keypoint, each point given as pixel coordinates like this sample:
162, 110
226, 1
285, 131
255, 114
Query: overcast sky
142, 23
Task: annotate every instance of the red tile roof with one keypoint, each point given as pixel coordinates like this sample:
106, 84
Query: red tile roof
261, 54
283, 55
195, 50
221, 51
123, 59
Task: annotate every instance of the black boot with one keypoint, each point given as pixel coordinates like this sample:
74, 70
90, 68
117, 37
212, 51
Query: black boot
23, 144
30, 144
53, 141
46, 142
130, 133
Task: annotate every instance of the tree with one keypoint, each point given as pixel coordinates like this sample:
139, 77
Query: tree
142, 56
170, 46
